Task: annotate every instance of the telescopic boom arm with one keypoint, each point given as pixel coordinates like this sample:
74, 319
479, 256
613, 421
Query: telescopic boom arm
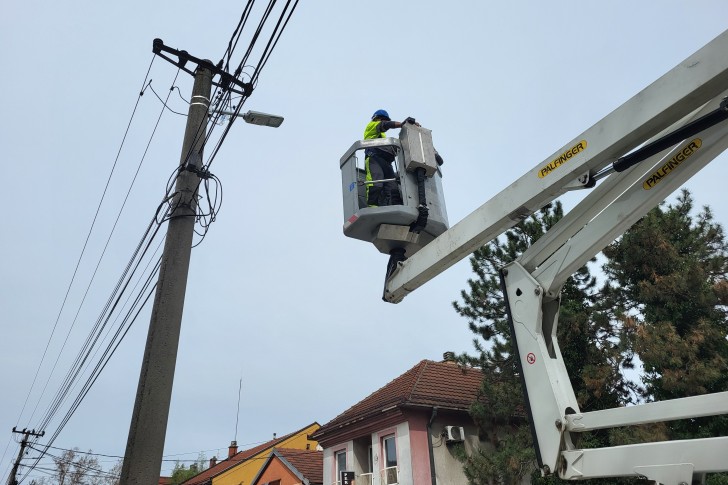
644, 150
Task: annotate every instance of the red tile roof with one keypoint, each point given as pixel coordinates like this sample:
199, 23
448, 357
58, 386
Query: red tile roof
309, 463
206, 475
442, 384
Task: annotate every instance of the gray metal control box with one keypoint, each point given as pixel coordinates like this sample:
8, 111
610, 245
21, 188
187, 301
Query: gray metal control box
418, 149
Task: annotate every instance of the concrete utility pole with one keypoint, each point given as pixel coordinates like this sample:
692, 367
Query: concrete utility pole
145, 445
13, 480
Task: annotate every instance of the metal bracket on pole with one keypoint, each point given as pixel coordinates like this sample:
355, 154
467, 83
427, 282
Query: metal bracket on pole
226, 81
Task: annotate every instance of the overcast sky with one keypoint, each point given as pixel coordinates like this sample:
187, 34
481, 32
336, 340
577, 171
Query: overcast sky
277, 296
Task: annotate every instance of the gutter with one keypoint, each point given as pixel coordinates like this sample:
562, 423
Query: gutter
433, 478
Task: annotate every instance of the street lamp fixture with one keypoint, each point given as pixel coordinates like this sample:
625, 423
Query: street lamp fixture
254, 118
263, 119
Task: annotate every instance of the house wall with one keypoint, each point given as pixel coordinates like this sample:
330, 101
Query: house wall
404, 452
448, 469
245, 472
405, 437
413, 454
330, 461
420, 456
276, 470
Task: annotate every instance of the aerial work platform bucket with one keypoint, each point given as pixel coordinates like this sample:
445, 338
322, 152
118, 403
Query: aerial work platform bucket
393, 227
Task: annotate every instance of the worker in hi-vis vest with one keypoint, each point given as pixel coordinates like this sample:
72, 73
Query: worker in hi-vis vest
378, 162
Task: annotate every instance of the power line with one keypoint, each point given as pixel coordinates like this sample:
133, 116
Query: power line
165, 102
205, 215
85, 347
83, 250
116, 340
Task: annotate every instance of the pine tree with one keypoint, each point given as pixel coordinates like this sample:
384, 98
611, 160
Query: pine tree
591, 356
668, 276
664, 303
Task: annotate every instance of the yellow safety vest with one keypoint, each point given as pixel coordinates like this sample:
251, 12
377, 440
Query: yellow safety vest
372, 130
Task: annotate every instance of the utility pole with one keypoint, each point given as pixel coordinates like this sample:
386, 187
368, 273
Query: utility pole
145, 445
13, 480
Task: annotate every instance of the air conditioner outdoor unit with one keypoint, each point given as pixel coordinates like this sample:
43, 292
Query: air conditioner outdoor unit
454, 434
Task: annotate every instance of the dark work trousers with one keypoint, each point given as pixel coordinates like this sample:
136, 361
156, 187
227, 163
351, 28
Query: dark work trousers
381, 193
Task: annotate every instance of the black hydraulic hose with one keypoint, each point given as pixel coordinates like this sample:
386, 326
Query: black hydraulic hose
421, 221
692, 128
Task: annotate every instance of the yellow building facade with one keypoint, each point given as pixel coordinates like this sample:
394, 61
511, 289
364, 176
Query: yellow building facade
247, 469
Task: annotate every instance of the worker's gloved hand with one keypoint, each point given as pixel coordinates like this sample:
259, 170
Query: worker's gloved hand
410, 120
438, 159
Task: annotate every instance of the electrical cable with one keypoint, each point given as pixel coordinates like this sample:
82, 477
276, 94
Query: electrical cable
64, 392
210, 199
271, 43
107, 356
126, 198
77, 365
254, 38
83, 250
108, 310
164, 102
97, 472
235, 37
180, 94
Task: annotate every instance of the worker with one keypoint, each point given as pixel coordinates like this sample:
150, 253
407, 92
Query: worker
378, 161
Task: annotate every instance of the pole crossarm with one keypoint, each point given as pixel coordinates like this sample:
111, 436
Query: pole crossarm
227, 80
13, 478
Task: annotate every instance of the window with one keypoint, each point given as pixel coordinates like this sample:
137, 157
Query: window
389, 471
390, 451
340, 463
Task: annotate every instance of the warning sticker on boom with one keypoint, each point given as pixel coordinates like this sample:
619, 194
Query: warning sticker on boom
562, 159
672, 164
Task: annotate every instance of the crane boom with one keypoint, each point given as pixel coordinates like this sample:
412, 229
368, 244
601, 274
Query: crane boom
684, 89
644, 150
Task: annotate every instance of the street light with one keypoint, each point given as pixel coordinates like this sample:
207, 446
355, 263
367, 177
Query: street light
255, 118
262, 119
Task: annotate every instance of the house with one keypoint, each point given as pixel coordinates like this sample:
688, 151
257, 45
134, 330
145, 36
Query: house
407, 431
285, 466
241, 467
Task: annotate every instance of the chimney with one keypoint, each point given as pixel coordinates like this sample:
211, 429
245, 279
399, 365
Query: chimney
213, 461
232, 449
274, 436
448, 357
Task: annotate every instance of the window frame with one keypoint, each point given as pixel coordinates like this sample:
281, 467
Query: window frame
389, 436
337, 453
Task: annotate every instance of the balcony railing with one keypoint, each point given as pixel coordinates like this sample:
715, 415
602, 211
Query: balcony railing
368, 478
390, 476
365, 479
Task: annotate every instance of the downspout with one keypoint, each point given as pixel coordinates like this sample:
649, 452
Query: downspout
429, 445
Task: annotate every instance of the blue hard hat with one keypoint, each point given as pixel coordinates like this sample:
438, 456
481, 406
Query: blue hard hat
380, 113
